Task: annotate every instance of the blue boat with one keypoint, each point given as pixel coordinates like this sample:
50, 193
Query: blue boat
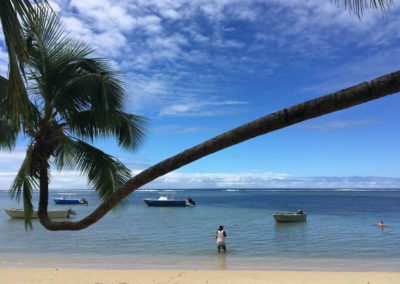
65, 200
169, 202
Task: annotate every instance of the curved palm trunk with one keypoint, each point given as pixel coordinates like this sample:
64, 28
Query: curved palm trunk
377, 88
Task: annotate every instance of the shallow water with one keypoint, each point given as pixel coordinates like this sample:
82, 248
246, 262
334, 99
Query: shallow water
341, 232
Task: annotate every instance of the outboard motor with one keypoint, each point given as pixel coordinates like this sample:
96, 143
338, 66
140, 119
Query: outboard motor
191, 201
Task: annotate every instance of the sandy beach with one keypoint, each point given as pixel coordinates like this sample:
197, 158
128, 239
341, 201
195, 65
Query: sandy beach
102, 276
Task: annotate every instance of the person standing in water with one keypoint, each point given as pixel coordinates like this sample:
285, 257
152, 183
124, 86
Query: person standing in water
221, 235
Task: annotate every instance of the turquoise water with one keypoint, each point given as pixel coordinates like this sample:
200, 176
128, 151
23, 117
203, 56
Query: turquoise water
341, 232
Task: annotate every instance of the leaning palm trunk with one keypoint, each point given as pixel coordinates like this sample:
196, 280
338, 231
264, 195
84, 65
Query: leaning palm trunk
377, 88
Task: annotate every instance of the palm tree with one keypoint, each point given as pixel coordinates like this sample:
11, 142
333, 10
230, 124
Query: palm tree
73, 99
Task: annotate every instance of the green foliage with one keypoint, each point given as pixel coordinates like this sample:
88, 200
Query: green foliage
24, 183
10, 12
8, 127
72, 99
104, 172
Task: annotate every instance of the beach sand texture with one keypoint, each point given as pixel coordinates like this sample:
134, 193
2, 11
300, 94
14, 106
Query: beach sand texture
97, 276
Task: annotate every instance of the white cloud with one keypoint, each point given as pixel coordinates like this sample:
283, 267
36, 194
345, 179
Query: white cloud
150, 24
70, 180
63, 180
105, 14
107, 43
158, 41
178, 180
11, 161
199, 107
171, 14
179, 94
54, 6
176, 129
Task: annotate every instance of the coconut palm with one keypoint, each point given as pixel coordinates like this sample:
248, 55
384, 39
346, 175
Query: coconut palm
74, 100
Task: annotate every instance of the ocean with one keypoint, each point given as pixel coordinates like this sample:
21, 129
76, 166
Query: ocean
340, 233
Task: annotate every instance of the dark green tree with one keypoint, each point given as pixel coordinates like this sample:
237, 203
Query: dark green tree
72, 99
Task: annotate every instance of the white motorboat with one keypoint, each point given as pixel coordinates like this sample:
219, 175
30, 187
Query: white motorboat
290, 217
164, 201
19, 213
70, 200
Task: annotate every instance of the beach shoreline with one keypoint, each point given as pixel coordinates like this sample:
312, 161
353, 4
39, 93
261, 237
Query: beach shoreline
61, 275
211, 262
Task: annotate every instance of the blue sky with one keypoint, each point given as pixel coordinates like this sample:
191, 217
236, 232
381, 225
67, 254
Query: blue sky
199, 68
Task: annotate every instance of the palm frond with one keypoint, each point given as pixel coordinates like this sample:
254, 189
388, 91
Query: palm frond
17, 53
15, 42
105, 173
8, 127
28, 207
358, 6
8, 133
24, 174
93, 85
3, 88
129, 130
24, 183
53, 55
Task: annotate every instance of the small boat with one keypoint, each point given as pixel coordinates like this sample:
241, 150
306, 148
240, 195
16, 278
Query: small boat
290, 217
19, 213
169, 202
69, 200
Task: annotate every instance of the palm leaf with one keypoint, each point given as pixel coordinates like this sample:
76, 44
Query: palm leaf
105, 173
24, 183
8, 127
3, 88
8, 134
358, 6
17, 52
28, 207
128, 129
23, 173
92, 85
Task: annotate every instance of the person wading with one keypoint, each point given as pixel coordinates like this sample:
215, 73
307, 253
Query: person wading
221, 235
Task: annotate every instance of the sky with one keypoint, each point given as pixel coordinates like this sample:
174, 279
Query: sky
199, 68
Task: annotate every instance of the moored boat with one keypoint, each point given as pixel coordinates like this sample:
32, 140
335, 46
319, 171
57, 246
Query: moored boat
289, 217
68, 200
19, 213
169, 202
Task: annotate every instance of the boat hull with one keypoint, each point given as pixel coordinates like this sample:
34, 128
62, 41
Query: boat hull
165, 203
19, 213
67, 201
289, 217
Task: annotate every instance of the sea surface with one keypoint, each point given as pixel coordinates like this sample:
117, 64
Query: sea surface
340, 233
